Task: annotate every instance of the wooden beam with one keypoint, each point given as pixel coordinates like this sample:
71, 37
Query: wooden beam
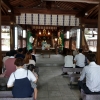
0, 42
48, 5
93, 12
3, 10
82, 13
83, 1
14, 2
98, 39
8, 4
5, 20
45, 11
89, 21
11, 17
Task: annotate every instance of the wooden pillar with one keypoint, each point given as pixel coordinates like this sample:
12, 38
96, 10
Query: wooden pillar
70, 43
0, 42
12, 37
83, 44
81, 33
98, 39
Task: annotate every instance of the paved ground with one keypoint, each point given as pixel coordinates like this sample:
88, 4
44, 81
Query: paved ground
52, 85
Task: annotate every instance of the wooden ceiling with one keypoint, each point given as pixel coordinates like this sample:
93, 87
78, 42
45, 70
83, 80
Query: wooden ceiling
80, 8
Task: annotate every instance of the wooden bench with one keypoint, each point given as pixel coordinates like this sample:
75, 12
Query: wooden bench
3, 79
7, 95
73, 76
73, 70
3, 83
89, 96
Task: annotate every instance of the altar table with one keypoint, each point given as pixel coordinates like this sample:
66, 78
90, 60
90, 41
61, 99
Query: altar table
46, 52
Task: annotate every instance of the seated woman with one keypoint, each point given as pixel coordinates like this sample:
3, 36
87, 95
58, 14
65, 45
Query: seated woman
21, 80
68, 61
33, 55
28, 60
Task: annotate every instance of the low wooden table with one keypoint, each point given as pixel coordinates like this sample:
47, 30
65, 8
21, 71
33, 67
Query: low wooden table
46, 52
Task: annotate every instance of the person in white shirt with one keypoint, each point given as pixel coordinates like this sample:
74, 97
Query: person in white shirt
91, 73
79, 59
68, 61
21, 80
6, 57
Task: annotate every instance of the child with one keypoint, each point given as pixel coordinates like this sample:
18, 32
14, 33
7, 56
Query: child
31, 67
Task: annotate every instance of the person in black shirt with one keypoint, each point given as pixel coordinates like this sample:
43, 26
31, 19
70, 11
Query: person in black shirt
20, 53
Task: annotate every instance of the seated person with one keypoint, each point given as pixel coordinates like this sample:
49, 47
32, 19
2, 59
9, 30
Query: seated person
21, 80
33, 55
91, 73
20, 53
6, 57
25, 50
68, 60
9, 63
31, 67
79, 59
28, 60
86, 60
